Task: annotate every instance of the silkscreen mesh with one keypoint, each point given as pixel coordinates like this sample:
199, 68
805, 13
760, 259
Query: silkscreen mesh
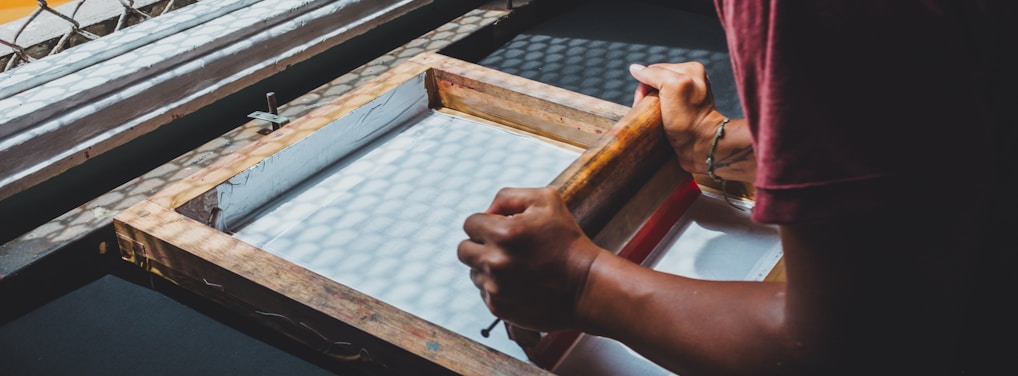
387, 223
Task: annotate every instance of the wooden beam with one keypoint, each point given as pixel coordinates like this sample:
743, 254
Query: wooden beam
613, 169
531, 106
310, 308
64, 122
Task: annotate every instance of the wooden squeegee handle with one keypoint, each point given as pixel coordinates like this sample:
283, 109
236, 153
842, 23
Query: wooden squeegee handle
605, 176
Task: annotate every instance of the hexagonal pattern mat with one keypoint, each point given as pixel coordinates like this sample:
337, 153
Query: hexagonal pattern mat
588, 50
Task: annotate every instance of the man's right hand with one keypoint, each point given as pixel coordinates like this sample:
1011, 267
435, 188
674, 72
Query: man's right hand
529, 258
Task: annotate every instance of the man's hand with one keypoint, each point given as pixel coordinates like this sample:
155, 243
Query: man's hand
687, 108
691, 120
529, 258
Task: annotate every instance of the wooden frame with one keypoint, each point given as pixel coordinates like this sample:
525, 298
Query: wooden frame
623, 189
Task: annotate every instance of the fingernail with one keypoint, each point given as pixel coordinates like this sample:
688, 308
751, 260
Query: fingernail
636, 67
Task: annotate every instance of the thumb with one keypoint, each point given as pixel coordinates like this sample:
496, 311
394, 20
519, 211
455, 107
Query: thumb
523, 336
644, 75
642, 90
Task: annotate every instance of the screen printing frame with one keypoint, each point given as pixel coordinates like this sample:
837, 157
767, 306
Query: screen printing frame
625, 189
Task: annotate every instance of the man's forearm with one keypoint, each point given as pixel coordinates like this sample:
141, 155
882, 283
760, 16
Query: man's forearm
688, 326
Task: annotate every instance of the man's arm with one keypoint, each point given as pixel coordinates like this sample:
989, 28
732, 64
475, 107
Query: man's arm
860, 295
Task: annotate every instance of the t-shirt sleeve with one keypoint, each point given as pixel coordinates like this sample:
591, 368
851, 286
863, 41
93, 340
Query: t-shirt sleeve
853, 104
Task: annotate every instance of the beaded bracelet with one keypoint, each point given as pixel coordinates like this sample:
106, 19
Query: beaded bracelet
710, 163
713, 146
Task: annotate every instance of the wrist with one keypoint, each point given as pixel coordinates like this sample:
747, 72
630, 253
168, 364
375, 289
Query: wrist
711, 160
729, 152
600, 304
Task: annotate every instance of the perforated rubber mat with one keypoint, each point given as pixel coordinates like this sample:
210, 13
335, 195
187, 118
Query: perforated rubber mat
588, 50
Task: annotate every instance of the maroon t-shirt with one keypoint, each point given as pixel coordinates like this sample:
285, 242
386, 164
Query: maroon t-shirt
853, 104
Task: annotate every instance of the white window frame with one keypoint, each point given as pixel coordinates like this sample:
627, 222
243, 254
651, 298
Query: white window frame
58, 112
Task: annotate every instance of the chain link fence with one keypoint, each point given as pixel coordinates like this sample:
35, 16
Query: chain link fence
55, 26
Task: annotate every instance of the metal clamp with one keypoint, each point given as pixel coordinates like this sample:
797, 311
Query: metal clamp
272, 116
